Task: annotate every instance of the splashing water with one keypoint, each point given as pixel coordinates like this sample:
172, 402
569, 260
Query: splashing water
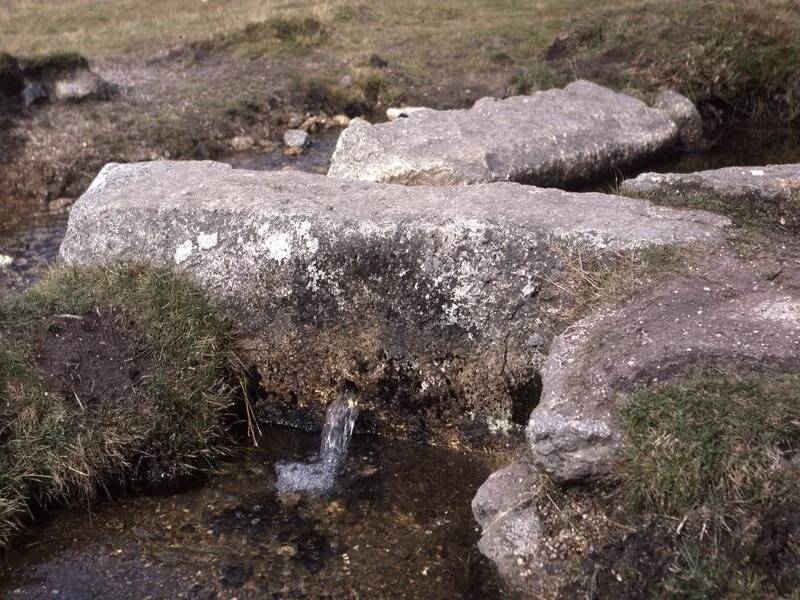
319, 475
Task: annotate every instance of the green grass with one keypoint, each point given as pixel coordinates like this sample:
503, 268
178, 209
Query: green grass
534, 77
711, 442
55, 449
712, 453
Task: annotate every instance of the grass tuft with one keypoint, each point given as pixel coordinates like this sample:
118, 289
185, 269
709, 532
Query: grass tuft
536, 76
714, 442
57, 448
591, 279
732, 57
274, 35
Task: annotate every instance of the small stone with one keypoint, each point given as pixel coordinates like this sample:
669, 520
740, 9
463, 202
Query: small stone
311, 124
295, 120
5, 261
83, 85
296, 138
241, 143
345, 81
60, 204
341, 120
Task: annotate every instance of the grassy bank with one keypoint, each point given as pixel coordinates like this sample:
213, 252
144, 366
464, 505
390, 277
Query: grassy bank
107, 377
735, 59
711, 463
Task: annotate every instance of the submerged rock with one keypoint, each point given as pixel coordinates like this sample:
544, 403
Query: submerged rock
513, 534
769, 194
426, 296
729, 317
553, 137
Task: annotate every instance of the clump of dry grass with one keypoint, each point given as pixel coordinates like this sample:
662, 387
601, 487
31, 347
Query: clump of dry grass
592, 278
290, 33
57, 449
734, 58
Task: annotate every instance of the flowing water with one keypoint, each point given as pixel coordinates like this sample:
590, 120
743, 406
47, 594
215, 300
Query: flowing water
319, 474
395, 524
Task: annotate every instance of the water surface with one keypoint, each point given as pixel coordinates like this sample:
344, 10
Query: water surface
397, 525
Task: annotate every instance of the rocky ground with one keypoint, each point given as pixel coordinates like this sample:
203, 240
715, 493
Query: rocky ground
650, 353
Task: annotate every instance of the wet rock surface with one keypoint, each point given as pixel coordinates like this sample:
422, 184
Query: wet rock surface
426, 297
396, 526
554, 137
730, 315
763, 193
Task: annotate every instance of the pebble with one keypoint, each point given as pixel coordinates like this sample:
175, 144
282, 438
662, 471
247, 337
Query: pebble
296, 138
241, 143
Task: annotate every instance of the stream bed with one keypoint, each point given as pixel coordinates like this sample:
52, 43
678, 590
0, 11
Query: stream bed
397, 525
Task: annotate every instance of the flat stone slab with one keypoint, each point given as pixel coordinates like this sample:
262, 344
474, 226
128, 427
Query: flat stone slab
727, 315
770, 194
550, 138
426, 297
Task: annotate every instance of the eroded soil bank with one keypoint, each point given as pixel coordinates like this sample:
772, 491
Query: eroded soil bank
398, 525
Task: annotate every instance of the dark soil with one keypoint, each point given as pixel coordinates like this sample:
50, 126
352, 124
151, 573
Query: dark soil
93, 358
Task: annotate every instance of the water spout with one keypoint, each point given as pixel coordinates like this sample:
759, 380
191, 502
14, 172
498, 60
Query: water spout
319, 475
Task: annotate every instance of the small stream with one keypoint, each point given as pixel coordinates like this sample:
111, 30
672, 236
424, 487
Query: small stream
396, 525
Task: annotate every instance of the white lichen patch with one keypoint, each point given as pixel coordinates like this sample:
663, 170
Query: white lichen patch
183, 251
278, 245
206, 241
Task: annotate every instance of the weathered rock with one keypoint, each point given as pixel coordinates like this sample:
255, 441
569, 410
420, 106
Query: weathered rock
81, 85
727, 317
340, 120
296, 138
511, 530
685, 115
517, 537
553, 137
768, 194
425, 297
